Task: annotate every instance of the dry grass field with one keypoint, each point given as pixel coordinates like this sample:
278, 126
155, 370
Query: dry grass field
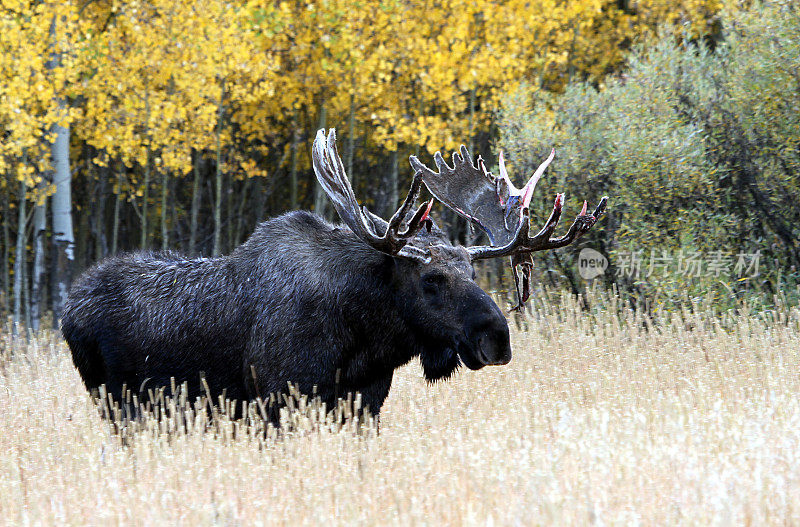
600, 418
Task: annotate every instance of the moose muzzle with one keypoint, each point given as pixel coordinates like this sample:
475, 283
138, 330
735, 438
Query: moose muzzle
487, 341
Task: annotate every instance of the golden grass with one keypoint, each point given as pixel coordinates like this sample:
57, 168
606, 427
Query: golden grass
598, 418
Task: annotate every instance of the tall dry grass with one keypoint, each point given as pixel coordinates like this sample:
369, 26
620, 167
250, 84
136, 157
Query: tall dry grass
601, 417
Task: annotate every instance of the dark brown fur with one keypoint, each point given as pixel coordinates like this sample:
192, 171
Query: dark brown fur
299, 301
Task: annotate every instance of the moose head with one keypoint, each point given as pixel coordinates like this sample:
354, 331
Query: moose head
434, 280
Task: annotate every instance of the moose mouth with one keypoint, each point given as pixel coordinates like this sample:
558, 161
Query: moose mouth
475, 353
472, 356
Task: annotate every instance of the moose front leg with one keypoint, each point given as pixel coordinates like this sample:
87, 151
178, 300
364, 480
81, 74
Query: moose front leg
372, 396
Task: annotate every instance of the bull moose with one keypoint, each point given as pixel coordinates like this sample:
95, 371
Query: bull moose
330, 308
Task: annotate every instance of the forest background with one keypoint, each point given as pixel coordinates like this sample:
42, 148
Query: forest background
179, 125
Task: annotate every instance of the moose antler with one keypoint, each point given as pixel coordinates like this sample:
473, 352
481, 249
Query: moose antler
522, 247
393, 240
491, 203
469, 191
502, 211
523, 243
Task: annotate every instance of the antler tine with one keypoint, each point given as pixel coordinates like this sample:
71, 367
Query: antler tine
331, 175
552, 221
462, 159
527, 190
523, 244
583, 222
441, 164
419, 218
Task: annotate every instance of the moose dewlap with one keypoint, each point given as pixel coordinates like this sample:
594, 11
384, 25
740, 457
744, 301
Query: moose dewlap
330, 308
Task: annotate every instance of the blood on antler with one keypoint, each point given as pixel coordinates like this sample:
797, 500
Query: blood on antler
392, 237
501, 210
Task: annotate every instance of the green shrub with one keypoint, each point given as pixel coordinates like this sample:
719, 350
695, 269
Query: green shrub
698, 150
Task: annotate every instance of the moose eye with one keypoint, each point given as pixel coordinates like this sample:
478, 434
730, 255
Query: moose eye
433, 281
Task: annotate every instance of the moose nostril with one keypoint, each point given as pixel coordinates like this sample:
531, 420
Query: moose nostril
492, 344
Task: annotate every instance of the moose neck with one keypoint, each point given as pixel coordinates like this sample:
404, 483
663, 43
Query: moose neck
321, 271
380, 339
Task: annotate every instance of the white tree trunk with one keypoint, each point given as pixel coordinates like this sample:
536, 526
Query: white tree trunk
6, 257
37, 285
115, 223
63, 238
216, 250
195, 204
164, 230
19, 258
